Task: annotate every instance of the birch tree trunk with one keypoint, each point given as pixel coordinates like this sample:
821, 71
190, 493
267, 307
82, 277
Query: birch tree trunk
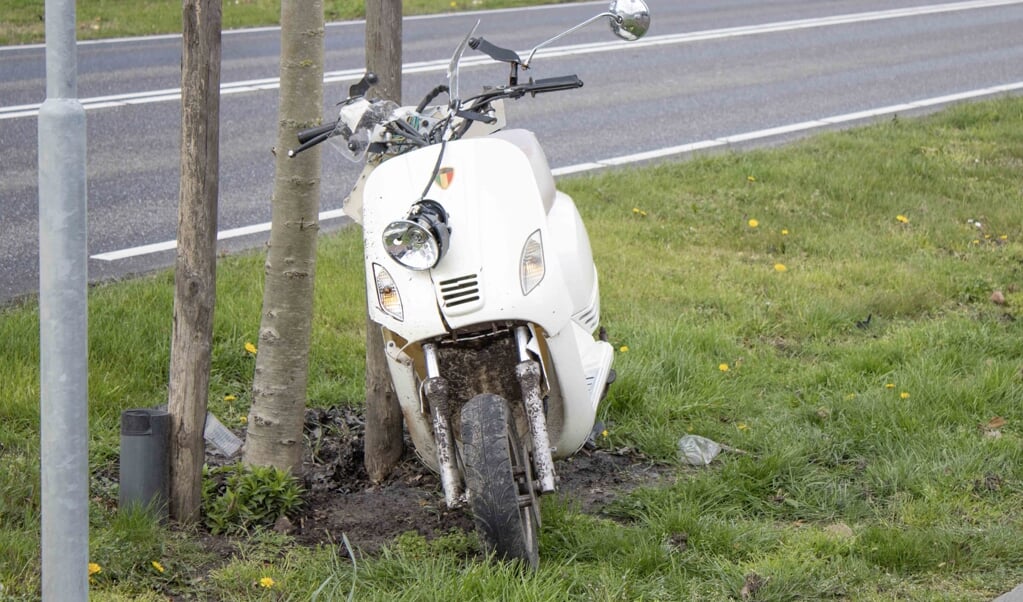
277, 414
384, 443
195, 270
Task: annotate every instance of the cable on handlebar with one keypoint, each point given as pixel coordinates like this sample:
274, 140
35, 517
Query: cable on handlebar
441, 89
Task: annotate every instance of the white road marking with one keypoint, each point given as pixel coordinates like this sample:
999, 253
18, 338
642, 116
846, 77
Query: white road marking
804, 126
329, 25
168, 245
174, 94
660, 153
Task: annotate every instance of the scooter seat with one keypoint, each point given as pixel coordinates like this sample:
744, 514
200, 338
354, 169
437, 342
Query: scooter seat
526, 141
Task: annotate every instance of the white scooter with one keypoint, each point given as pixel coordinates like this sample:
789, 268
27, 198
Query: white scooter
481, 278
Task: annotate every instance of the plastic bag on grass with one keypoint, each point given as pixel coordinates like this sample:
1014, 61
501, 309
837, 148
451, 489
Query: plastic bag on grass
697, 450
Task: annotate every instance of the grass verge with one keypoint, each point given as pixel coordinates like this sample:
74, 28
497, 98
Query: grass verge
22, 20
827, 308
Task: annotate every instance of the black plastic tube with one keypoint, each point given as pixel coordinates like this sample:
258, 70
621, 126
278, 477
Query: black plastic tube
145, 460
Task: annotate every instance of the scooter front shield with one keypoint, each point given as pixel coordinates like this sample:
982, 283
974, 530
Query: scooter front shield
487, 188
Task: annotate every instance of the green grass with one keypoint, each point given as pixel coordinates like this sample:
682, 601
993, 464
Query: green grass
874, 466
22, 20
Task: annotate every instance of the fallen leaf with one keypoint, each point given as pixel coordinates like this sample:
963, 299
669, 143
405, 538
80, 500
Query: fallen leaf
996, 423
839, 530
993, 427
991, 482
753, 583
283, 525
677, 542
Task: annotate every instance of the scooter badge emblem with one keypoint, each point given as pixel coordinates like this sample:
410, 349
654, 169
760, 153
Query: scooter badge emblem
445, 176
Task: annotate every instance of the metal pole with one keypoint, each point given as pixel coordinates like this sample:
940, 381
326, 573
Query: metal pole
63, 331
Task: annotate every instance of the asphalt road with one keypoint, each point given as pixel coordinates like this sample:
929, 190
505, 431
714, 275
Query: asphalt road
708, 70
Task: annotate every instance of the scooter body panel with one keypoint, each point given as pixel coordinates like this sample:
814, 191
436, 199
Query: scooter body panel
494, 204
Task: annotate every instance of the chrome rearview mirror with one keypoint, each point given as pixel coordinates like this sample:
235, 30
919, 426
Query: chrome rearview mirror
629, 19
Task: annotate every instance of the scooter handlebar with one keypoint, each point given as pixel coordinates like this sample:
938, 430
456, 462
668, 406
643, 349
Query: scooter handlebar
307, 135
552, 84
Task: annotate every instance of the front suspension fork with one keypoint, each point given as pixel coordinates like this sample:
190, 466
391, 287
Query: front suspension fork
528, 373
436, 389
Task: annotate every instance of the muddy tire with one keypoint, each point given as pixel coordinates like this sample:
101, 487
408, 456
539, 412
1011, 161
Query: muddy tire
498, 479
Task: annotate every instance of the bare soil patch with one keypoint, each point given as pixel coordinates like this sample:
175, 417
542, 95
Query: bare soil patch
341, 499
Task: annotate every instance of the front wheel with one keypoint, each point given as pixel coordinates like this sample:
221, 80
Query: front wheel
498, 479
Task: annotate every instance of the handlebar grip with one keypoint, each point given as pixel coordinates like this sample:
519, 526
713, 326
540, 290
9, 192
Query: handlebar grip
553, 84
307, 135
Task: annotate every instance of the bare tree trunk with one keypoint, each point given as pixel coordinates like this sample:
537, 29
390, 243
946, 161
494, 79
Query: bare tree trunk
275, 421
384, 443
383, 46
195, 271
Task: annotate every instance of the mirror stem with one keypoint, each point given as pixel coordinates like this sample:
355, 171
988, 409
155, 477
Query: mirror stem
525, 64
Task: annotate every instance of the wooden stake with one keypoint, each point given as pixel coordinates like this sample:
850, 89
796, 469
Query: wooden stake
384, 445
196, 267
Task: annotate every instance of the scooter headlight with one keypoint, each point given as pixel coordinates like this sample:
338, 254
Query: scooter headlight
531, 265
419, 241
387, 292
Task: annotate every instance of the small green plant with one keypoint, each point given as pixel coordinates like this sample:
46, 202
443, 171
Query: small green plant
237, 498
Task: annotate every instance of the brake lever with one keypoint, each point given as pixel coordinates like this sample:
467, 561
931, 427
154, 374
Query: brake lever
313, 136
474, 116
309, 144
360, 88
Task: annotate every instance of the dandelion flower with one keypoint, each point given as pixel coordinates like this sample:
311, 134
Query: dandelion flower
604, 433
1004, 237
94, 569
889, 385
780, 267
623, 349
243, 419
723, 367
266, 582
230, 398
753, 223
751, 178
156, 565
784, 231
635, 209
742, 426
250, 348
902, 219
904, 395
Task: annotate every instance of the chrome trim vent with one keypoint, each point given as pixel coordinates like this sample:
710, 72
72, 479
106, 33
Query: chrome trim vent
460, 291
591, 380
588, 318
